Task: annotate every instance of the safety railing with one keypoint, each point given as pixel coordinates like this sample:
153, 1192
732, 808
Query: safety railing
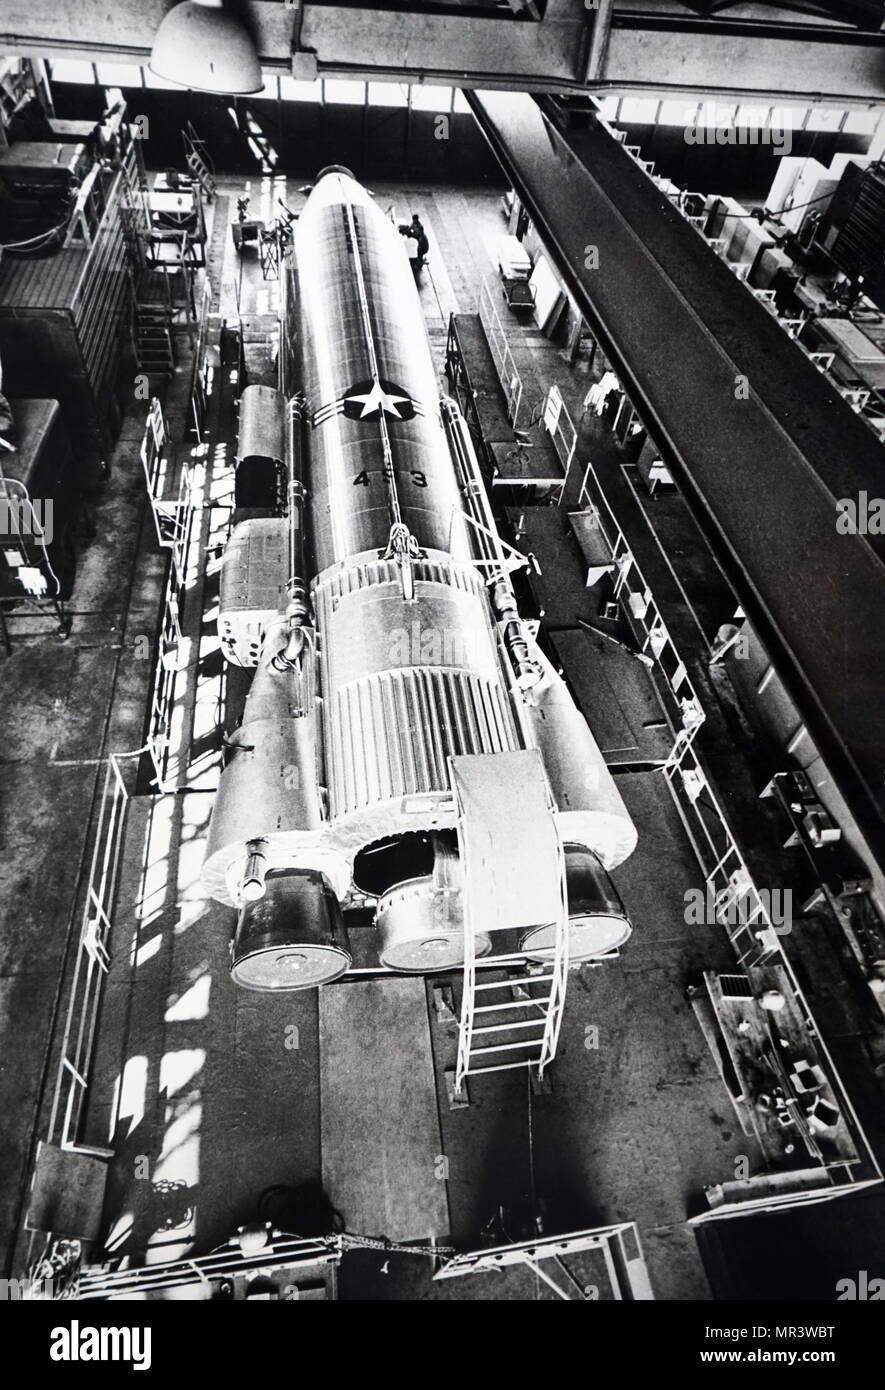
728, 884
159, 735
201, 384
561, 429
282, 1253
623, 1263
92, 961
508, 375
155, 465
166, 666
173, 520
857, 396
172, 516
736, 901
631, 590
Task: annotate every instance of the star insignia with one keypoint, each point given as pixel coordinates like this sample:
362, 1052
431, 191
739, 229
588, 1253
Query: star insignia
379, 398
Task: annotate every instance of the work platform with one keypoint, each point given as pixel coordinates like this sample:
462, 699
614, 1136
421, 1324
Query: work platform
526, 459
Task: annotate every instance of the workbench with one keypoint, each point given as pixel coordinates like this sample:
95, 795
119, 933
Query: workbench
592, 545
859, 357
471, 370
535, 464
771, 1053
29, 163
514, 262
72, 132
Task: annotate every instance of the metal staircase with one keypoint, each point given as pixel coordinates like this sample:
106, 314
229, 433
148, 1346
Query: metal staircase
135, 217
197, 160
154, 323
154, 346
536, 1004
499, 1033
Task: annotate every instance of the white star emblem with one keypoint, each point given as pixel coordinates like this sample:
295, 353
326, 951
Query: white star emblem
377, 401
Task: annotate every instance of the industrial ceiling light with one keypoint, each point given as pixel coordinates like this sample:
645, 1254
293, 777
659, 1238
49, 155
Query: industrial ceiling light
202, 46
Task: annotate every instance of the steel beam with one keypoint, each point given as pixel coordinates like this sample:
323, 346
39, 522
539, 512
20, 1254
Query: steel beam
657, 47
678, 55
418, 44
761, 443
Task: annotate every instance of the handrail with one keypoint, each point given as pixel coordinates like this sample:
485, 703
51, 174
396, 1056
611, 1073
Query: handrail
508, 373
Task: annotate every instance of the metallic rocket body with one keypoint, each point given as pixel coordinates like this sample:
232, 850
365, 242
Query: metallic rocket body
379, 615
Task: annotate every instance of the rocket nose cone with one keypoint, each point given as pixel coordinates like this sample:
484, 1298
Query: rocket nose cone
335, 185
334, 169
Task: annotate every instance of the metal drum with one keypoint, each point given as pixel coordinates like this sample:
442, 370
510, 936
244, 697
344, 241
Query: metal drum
421, 928
292, 938
598, 921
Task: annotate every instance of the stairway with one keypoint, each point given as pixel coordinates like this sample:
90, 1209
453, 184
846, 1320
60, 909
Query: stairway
154, 346
488, 1040
198, 161
515, 1022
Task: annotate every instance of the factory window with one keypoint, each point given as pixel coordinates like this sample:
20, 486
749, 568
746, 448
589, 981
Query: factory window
292, 90
788, 117
388, 94
678, 113
717, 114
269, 92
861, 122
344, 93
754, 116
638, 110
118, 74
71, 70
824, 118
431, 98
608, 108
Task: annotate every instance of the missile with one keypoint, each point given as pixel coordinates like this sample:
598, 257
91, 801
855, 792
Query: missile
367, 587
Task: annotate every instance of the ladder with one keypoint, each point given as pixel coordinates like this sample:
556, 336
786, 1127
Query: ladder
197, 160
522, 1031
154, 347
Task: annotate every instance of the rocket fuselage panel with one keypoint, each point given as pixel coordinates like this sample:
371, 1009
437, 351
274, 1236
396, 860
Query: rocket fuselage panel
368, 377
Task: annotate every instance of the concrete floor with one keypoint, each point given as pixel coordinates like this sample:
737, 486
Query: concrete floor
206, 1100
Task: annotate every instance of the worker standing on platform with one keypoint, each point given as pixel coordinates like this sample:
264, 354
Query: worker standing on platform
597, 397
415, 232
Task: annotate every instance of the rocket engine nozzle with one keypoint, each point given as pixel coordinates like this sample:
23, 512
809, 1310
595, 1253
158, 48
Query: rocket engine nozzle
598, 921
292, 937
